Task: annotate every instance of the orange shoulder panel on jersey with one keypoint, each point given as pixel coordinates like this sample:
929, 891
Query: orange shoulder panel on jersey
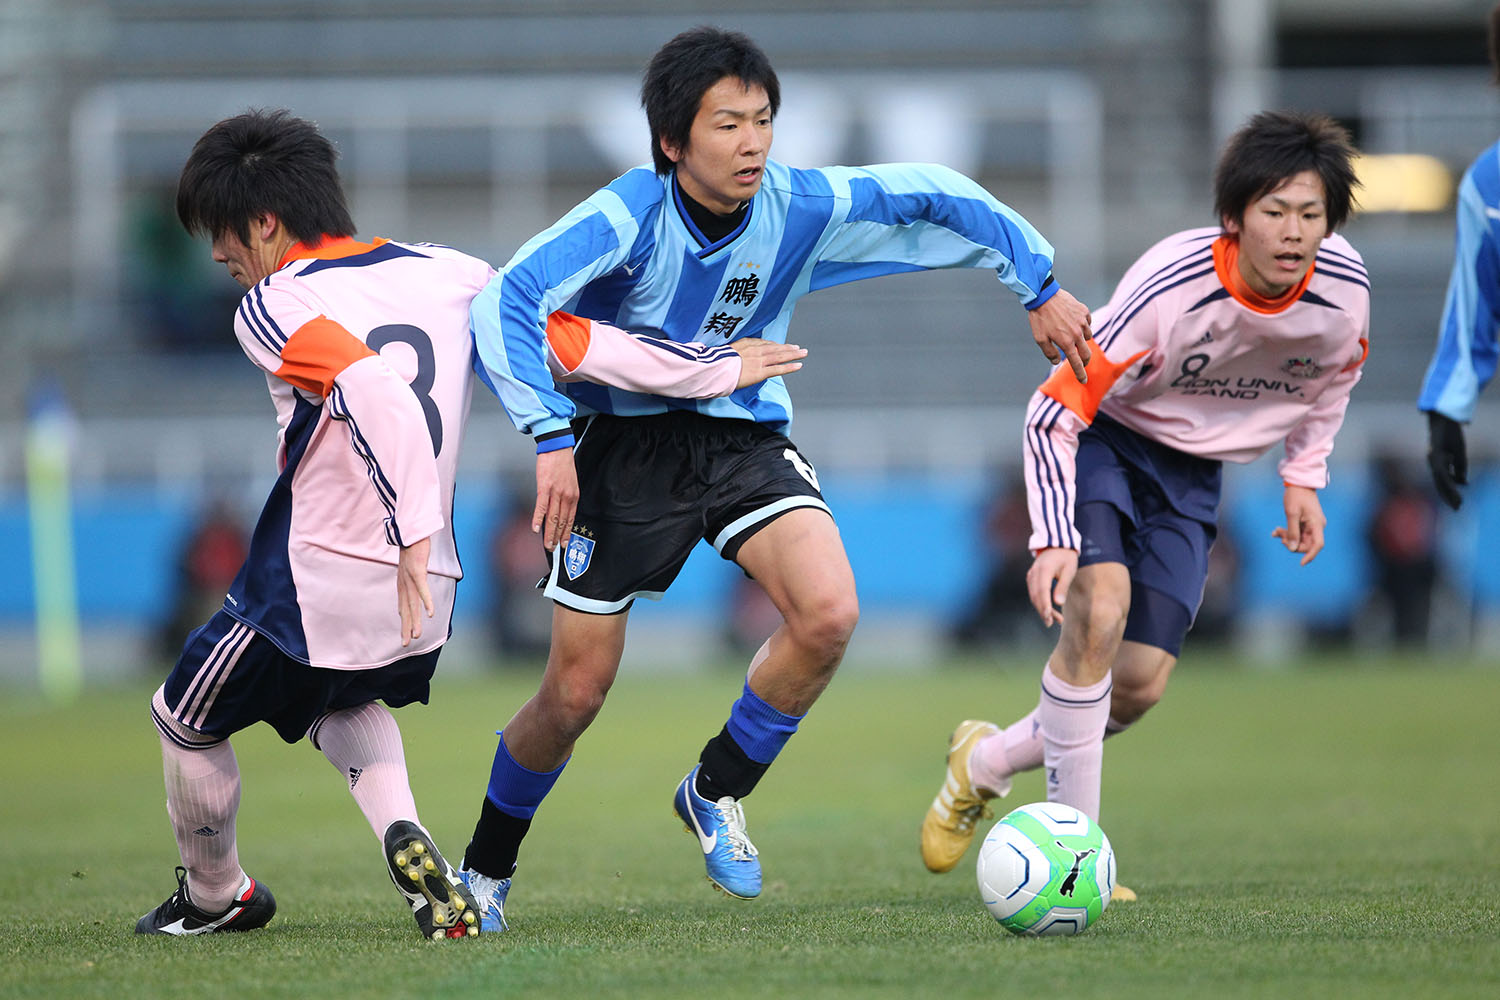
1083, 398
317, 352
1364, 352
568, 336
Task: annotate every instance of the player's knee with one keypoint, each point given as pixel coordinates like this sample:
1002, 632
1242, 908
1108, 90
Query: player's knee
1128, 704
823, 627
575, 703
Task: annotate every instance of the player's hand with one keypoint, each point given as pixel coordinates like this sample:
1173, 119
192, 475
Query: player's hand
556, 496
1062, 327
1304, 523
763, 359
1048, 580
412, 595
1447, 457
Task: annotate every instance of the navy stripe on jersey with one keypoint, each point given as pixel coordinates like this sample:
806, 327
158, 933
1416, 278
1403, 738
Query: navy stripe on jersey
1039, 443
1333, 266
264, 594
384, 252
1219, 293
1353, 263
1143, 296
259, 308
1314, 299
338, 409
262, 327
1194, 258
672, 347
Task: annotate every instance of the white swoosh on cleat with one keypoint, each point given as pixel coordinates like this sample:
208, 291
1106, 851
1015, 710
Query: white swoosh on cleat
707, 841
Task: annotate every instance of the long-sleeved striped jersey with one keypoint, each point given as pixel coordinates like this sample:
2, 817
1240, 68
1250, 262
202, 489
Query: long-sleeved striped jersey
367, 354
1186, 355
1464, 361
630, 256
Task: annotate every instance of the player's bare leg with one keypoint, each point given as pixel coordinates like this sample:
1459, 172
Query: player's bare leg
534, 746
799, 560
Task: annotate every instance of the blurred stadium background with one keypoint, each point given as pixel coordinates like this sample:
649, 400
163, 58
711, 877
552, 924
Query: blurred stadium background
477, 122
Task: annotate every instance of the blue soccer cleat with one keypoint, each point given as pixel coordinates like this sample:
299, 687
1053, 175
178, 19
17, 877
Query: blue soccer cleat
733, 866
489, 899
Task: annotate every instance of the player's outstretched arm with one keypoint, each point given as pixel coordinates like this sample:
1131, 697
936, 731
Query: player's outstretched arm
763, 359
556, 496
1304, 522
1062, 328
1048, 580
412, 596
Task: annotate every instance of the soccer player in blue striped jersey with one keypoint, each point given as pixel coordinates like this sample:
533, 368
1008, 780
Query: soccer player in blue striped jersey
1469, 336
717, 242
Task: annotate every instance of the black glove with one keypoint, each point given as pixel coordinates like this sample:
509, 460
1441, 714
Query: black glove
1446, 457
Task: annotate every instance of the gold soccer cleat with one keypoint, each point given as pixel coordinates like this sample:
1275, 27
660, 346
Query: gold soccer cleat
949, 824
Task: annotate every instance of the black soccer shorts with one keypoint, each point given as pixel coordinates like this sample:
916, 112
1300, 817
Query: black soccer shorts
651, 487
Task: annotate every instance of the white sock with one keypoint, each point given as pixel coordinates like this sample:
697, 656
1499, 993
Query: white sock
364, 745
1072, 724
203, 795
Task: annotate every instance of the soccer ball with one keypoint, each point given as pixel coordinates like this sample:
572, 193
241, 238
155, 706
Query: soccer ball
1046, 868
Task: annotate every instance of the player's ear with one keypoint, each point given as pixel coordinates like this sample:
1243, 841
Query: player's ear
1231, 225
670, 149
263, 224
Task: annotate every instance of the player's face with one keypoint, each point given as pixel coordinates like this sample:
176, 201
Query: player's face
1280, 234
725, 156
249, 262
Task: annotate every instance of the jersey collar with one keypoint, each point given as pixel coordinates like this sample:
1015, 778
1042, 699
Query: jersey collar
1226, 265
329, 248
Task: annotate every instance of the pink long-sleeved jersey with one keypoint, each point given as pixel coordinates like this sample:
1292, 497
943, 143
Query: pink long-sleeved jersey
368, 356
1186, 355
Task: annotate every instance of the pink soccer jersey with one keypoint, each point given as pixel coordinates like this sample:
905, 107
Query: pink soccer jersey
1189, 357
368, 357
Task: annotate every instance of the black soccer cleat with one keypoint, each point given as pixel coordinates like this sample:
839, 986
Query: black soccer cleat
253, 906
440, 902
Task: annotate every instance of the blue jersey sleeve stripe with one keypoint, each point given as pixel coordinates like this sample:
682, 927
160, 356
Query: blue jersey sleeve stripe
827, 273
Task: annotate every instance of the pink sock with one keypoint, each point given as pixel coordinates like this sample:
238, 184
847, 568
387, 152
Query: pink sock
364, 744
1016, 748
1072, 723
203, 796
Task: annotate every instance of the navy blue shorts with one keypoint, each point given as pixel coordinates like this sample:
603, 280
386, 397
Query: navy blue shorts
230, 677
1154, 509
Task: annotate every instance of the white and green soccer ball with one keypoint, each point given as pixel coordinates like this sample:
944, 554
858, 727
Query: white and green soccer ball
1046, 868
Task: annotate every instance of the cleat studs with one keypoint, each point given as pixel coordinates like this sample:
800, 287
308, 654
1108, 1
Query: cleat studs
418, 847
400, 859
414, 876
437, 935
469, 918
459, 904
429, 865
473, 931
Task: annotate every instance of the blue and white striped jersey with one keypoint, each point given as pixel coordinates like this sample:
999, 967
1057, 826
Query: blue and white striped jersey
1464, 360
630, 256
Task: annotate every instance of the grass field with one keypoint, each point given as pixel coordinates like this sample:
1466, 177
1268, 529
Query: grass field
1330, 830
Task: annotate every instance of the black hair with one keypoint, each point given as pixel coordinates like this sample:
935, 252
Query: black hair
1273, 147
257, 162
684, 69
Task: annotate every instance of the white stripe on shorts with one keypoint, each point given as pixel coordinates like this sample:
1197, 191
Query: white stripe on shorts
763, 513
199, 698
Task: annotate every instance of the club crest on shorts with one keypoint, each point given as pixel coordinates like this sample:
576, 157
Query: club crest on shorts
578, 553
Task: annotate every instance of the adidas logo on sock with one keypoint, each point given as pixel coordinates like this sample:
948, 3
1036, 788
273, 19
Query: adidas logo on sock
354, 773
206, 831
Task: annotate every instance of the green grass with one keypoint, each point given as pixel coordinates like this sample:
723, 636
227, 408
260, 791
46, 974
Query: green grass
1329, 831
